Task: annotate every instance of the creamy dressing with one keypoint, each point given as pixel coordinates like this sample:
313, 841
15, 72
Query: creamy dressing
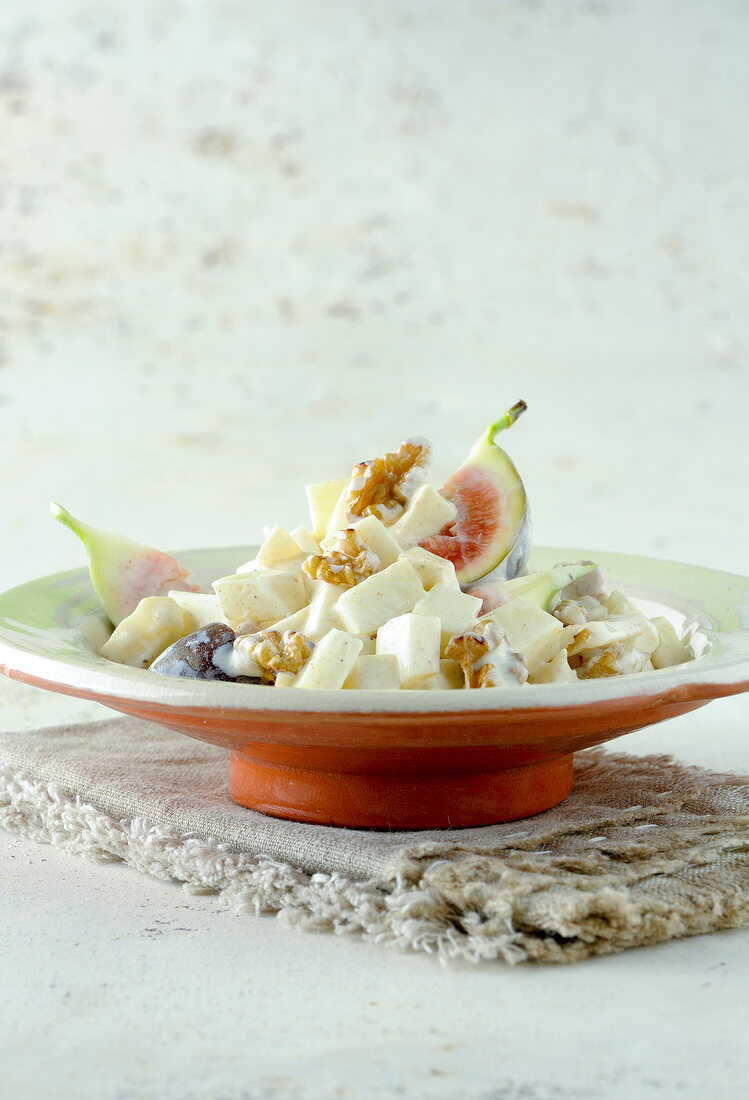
510, 668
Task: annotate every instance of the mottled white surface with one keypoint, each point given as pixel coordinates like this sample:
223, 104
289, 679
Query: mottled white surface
244, 244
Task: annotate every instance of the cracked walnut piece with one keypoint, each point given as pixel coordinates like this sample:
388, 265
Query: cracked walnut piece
487, 658
347, 565
382, 486
612, 660
275, 652
577, 612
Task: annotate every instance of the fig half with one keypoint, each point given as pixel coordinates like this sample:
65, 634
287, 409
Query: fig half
123, 572
490, 536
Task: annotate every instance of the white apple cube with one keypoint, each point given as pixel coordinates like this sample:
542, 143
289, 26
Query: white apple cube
263, 597
415, 641
530, 630
369, 604
432, 569
670, 649
427, 514
555, 671
278, 549
619, 605
339, 520
322, 499
200, 608
305, 540
296, 621
449, 677
375, 672
331, 662
456, 610
601, 633
147, 631
375, 536
323, 611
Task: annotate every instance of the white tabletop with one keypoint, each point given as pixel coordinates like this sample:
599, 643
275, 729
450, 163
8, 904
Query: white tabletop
243, 246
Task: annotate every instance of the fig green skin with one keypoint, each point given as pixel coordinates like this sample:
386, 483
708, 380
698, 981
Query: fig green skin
538, 588
123, 571
507, 552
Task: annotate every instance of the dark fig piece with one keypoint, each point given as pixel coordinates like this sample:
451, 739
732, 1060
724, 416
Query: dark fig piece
205, 655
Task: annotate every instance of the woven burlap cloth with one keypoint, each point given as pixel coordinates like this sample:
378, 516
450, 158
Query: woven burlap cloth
644, 850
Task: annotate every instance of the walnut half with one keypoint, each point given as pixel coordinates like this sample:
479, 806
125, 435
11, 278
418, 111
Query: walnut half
487, 658
381, 486
350, 563
616, 659
275, 652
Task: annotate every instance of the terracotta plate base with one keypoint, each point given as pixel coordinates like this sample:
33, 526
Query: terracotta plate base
378, 801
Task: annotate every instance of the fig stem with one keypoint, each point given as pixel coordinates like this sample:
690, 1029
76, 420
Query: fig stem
62, 515
506, 421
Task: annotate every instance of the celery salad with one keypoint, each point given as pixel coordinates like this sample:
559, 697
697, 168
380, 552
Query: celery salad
391, 585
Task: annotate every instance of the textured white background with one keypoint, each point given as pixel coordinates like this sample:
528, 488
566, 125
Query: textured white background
244, 244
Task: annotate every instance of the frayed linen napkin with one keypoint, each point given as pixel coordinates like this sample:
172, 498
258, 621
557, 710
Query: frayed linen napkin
644, 850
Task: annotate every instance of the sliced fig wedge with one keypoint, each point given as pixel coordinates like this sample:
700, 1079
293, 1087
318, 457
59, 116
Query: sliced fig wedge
490, 536
123, 572
536, 587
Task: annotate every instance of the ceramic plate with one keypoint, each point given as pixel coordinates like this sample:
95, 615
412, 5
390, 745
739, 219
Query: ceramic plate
407, 759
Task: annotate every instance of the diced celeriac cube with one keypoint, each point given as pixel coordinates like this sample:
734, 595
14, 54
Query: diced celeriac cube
322, 499
374, 672
278, 549
599, 634
296, 621
449, 677
369, 604
200, 608
670, 649
415, 641
555, 671
647, 639
427, 514
331, 661
530, 630
373, 534
263, 596
305, 540
456, 610
323, 613
147, 631
339, 517
618, 604
432, 569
